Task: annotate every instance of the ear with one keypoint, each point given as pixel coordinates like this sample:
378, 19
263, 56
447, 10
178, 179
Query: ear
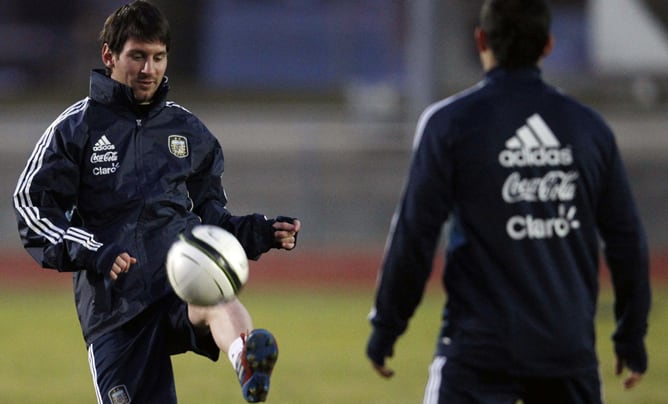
480, 39
548, 47
107, 56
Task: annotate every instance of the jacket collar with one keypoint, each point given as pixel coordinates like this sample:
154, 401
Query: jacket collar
110, 92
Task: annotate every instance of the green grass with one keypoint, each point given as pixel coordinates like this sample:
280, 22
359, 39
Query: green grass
321, 334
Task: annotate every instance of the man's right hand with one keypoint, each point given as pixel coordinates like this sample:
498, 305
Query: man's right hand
632, 379
121, 264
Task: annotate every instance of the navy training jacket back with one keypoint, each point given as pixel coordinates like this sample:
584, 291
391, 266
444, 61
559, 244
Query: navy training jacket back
530, 178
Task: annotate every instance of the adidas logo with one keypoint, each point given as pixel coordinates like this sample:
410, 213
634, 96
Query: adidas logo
103, 144
534, 144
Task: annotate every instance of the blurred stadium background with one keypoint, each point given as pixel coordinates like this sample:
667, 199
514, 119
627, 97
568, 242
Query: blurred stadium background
315, 103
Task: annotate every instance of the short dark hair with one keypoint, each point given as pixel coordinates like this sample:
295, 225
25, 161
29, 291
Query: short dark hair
517, 30
138, 19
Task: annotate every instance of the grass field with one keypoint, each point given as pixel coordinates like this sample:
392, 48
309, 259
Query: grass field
321, 333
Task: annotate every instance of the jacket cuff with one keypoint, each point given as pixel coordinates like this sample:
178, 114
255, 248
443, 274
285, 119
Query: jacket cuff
634, 355
380, 345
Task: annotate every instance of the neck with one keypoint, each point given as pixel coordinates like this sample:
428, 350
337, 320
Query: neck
487, 60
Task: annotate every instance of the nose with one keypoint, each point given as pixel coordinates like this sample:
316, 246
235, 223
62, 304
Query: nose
149, 66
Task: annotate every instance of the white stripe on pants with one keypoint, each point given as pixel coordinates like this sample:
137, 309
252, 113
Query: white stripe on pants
434, 381
93, 371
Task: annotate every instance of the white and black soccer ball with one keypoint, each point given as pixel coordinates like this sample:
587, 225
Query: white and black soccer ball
207, 265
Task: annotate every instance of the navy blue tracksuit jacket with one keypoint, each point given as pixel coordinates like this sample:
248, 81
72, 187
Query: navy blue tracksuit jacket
532, 182
108, 177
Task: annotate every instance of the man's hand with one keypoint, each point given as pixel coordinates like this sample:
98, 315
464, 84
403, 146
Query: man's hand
633, 377
121, 264
285, 234
379, 348
383, 370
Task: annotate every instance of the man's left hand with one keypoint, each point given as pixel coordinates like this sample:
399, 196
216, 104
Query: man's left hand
285, 234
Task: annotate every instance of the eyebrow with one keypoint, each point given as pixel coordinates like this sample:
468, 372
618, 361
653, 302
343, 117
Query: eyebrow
145, 52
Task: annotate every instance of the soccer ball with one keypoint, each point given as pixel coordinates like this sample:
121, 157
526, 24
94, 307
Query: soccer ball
206, 266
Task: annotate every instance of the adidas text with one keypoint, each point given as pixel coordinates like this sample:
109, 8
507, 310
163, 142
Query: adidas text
103, 147
538, 157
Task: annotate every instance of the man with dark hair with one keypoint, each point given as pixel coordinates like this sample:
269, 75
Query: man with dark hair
104, 195
531, 180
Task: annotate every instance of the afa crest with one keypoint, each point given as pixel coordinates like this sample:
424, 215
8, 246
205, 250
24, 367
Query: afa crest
119, 395
178, 146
